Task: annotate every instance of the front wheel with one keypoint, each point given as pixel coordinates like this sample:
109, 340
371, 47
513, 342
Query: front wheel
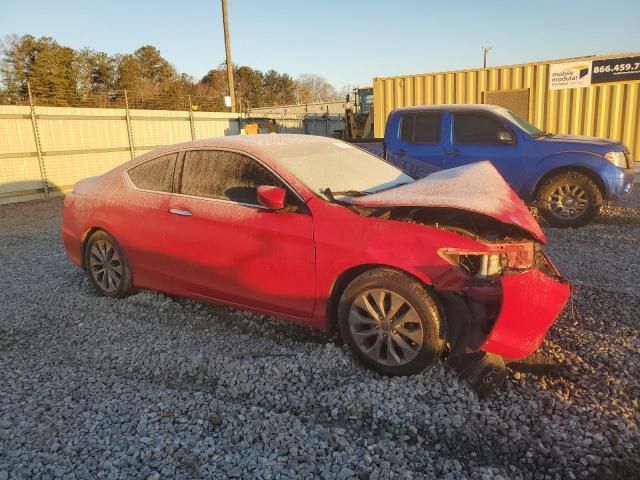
569, 199
390, 322
107, 266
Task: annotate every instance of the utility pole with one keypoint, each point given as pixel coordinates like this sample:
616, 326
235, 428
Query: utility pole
485, 52
227, 48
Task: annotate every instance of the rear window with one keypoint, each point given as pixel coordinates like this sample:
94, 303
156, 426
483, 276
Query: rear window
155, 175
420, 128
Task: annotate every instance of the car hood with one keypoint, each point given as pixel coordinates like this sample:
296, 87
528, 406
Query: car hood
475, 188
581, 142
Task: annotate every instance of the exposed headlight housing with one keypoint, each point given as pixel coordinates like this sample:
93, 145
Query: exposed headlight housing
477, 264
495, 261
619, 159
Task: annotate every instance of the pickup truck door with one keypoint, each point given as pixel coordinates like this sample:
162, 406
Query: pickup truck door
475, 136
416, 145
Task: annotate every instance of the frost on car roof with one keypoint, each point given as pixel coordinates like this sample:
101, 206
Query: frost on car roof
249, 143
317, 162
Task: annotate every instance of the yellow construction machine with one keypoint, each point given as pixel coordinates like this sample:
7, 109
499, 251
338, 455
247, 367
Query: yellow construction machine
359, 119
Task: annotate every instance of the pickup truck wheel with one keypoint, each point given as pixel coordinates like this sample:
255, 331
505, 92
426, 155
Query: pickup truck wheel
569, 199
390, 322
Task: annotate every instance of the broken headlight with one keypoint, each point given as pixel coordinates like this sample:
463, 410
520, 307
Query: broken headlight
495, 261
476, 264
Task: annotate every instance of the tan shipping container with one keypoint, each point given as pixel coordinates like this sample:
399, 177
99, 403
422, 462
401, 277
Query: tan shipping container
609, 110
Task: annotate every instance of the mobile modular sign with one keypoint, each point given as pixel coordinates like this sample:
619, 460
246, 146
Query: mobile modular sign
585, 73
570, 75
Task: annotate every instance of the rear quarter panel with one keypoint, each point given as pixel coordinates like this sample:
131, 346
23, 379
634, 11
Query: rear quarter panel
133, 218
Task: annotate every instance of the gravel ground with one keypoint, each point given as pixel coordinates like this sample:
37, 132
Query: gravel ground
154, 387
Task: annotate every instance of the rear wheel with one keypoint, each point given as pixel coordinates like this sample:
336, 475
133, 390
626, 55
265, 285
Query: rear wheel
390, 322
107, 266
569, 199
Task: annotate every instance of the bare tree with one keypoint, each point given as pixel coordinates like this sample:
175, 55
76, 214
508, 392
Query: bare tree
312, 88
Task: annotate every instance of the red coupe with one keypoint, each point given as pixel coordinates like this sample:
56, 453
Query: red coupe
317, 231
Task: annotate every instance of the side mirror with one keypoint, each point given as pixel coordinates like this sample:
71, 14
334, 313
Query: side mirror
505, 137
271, 197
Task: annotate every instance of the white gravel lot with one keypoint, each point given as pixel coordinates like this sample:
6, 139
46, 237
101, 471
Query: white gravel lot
154, 387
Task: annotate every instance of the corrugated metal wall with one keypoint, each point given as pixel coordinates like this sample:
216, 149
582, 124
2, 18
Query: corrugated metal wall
333, 108
606, 110
19, 166
309, 124
81, 142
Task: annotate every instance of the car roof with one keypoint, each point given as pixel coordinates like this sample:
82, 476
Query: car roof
249, 142
450, 106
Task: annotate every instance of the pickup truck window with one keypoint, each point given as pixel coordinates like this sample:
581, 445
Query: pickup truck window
420, 128
476, 129
522, 123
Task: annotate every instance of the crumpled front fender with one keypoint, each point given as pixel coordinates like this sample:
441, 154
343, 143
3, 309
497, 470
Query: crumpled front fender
531, 302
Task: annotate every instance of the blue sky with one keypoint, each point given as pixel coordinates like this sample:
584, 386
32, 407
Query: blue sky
346, 42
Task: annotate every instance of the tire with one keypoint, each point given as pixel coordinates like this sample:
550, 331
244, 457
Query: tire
107, 266
569, 199
402, 343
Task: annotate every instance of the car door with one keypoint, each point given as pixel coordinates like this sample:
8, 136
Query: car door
223, 245
418, 149
141, 216
477, 136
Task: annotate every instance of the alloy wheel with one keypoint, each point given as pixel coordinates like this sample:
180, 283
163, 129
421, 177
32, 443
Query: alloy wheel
385, 327
568, 201
105, 266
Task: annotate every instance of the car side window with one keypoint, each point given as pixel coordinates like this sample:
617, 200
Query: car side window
224, 175
420, 128
477, 129
155, 175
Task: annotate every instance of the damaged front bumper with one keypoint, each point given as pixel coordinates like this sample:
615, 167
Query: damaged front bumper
531, 301
507, 314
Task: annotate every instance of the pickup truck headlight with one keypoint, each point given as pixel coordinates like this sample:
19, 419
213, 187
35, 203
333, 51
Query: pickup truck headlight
619, 159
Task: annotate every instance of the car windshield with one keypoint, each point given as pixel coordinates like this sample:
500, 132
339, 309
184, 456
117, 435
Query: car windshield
335, 165
522, 123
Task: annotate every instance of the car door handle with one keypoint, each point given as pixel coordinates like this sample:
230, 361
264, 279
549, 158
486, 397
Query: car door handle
177, 211
455, 151
399, 153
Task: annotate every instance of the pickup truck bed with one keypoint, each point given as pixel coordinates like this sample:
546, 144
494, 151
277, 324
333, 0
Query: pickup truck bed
371, 145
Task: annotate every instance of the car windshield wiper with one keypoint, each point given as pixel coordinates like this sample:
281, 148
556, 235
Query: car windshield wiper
542, 134
331, 195
347, 193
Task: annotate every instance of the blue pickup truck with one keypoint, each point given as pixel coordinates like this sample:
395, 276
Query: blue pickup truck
566, 176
